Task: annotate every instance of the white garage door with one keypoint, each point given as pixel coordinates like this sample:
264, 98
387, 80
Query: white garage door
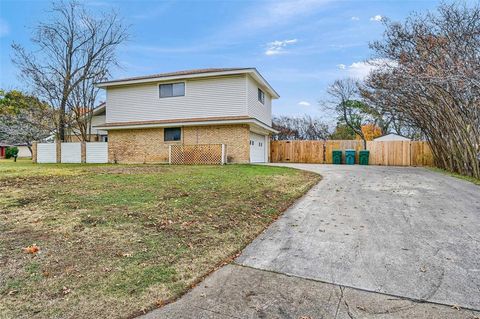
257, 148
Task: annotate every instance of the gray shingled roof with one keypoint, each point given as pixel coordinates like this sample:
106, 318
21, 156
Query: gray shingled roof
185, 72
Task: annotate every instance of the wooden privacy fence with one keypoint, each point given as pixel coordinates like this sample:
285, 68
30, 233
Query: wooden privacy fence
391, 153
196, 154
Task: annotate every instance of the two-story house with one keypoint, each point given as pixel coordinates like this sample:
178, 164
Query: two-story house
146, 114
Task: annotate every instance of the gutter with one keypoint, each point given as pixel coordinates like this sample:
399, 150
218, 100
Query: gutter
252, 121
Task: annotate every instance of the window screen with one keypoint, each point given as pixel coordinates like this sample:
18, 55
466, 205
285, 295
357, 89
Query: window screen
172, 89
172, 134
261, 96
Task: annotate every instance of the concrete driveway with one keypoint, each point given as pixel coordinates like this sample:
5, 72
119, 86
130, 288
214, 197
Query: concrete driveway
365, 242
406, 232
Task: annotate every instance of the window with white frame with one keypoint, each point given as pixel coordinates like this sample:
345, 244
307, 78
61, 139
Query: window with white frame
261, 96
172, 89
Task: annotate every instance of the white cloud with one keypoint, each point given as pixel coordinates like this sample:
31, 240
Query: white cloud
304, 103
361, 69
278, 47
4, 28
341, 66
376, 18
355, 18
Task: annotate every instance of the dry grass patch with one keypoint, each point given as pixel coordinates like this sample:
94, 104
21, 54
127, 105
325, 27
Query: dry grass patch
115, 240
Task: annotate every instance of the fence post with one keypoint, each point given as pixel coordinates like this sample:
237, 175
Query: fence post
169, 154
34, 152
83, 152
59, 151
223, 154
409, 153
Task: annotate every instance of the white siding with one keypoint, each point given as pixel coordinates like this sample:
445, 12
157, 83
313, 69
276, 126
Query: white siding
211, 97
96, 121
46, 153
262, 112
96, 152
23, 151
71, 152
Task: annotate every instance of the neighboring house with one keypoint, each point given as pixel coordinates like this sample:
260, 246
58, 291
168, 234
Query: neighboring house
23, 150
98, 118
144, 115
391, 137
3, 148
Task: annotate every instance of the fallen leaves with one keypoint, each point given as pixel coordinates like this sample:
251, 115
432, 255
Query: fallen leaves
33, 249
66, 290
193, 236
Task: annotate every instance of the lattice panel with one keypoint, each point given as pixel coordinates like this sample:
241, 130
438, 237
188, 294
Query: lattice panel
197, 154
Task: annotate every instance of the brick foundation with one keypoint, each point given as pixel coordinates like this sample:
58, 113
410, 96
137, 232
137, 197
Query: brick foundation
148, 146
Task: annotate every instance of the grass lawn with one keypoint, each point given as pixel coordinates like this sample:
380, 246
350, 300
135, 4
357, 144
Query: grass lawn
473, 180
116, 240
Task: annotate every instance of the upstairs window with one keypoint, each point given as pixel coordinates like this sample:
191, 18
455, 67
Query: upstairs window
261, 96
172, 134
172, 89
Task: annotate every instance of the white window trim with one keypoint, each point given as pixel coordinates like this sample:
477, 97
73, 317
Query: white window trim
172, 82
263, 93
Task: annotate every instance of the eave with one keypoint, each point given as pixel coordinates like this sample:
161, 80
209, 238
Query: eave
185, 122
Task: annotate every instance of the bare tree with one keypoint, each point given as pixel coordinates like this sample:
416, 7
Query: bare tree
435, 82
299, 128
350, 110
81, 104
74, 49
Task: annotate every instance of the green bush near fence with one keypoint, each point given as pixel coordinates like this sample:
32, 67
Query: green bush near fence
11, 152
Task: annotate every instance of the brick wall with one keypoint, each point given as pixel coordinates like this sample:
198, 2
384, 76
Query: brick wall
235, 137
148, 146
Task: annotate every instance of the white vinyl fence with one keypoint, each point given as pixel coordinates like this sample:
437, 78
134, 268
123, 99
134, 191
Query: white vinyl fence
97, 152
71, 152
92, 152
46, 153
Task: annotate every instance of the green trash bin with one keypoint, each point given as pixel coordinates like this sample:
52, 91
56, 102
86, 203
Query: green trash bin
349, 157
363, 157
337, 157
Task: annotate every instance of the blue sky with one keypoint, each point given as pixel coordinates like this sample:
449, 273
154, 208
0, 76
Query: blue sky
299, 46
